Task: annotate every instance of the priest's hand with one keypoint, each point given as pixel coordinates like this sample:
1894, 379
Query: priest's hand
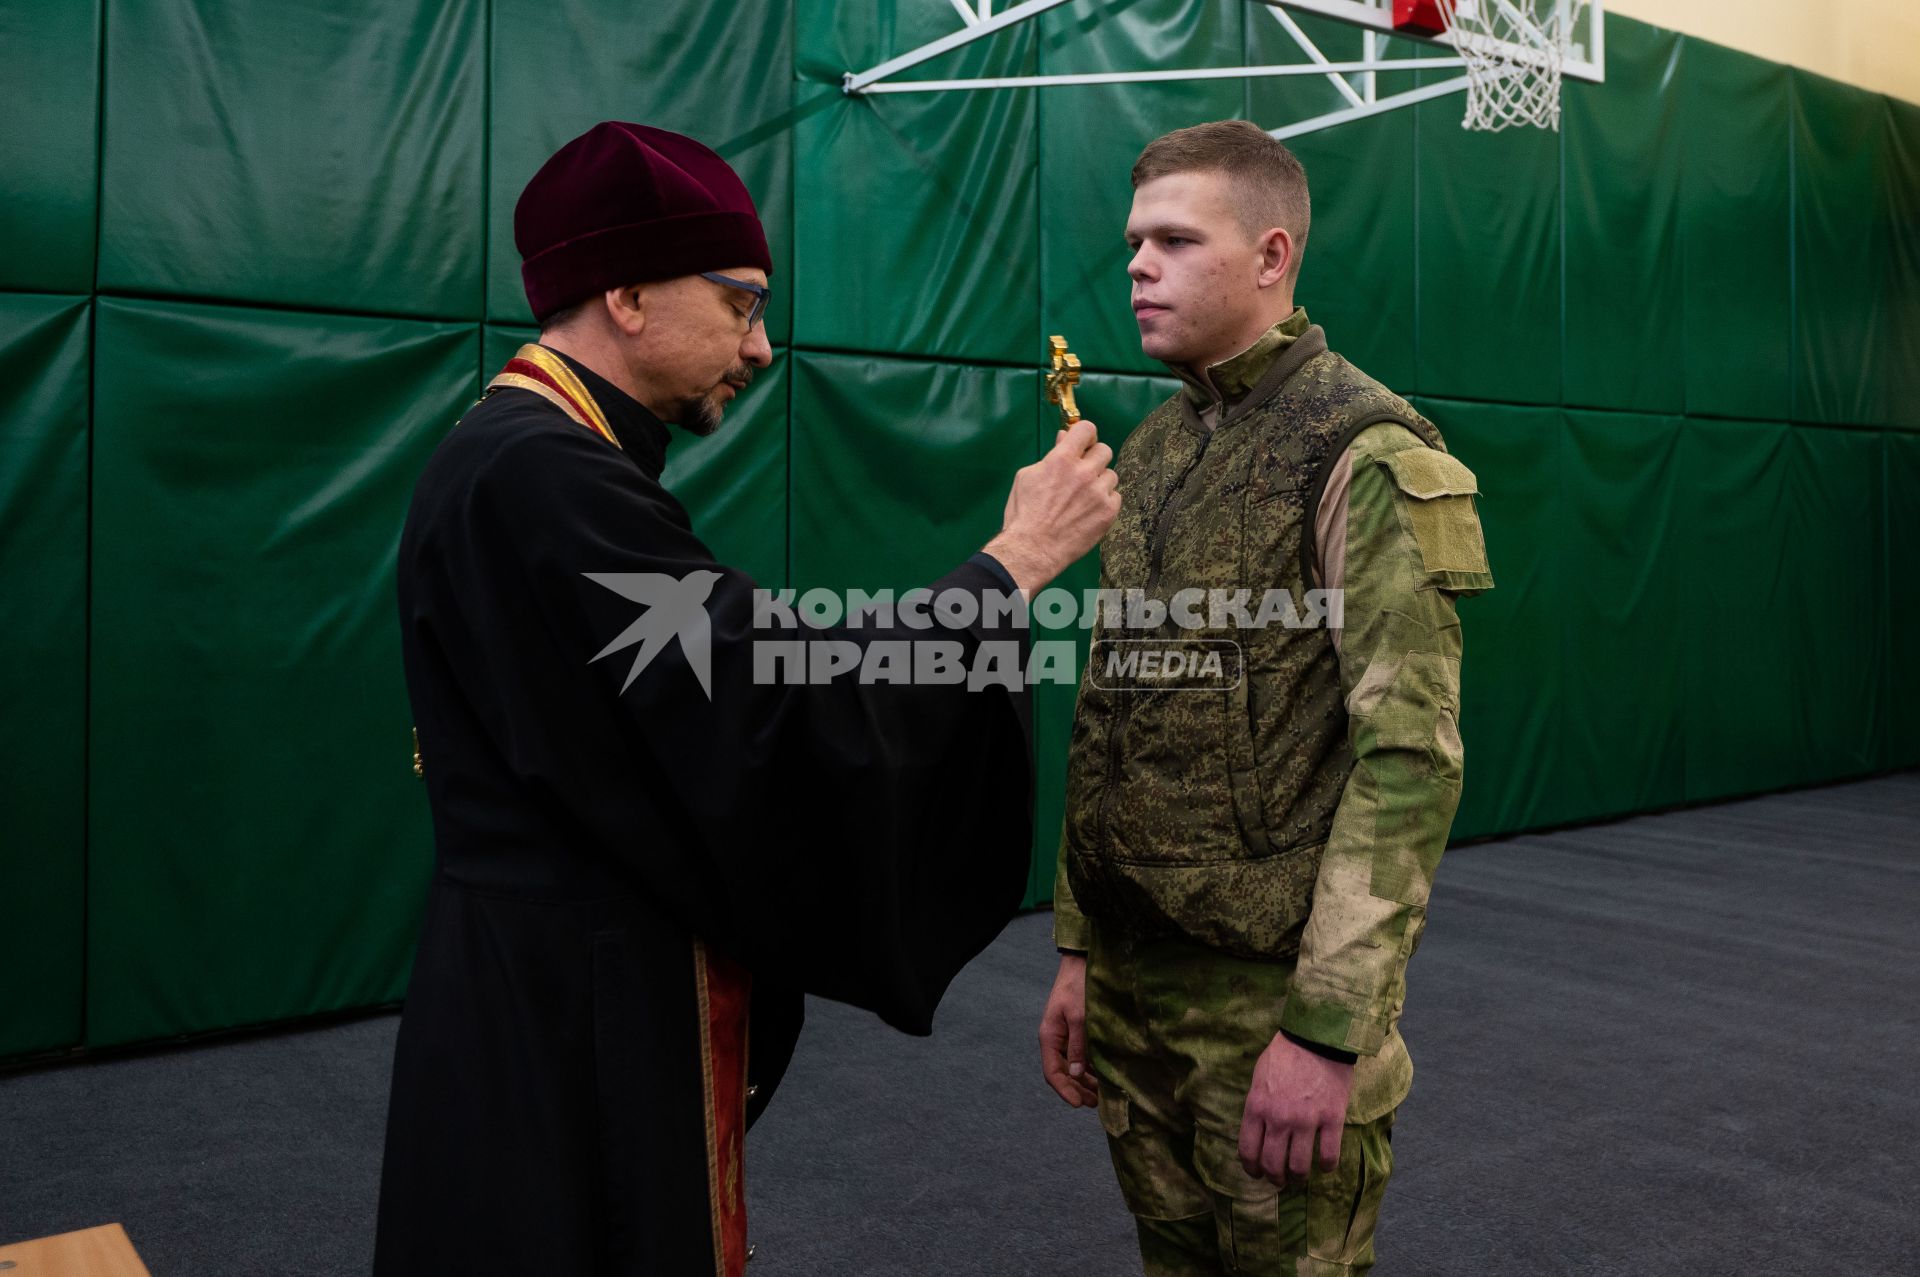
1063, 1035
1059, 508
1297, 1106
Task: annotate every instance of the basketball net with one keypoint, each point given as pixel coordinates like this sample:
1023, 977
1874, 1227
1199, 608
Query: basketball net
1513, 59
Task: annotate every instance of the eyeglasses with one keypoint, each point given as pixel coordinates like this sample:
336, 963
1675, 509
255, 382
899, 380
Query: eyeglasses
761, 293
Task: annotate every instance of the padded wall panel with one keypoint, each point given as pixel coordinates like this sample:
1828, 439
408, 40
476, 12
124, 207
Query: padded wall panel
301, 155
733, 482
1902, 508
1513, 690
1488, 258
1357, 277
1116, 405
259, 844
1625, 329
717, 72
1736, 233
1842, 252
1899, 355
1622, 641
1838, 530
1089, 138
49, 148
915, 214
900, 468
1746, 592
43, 675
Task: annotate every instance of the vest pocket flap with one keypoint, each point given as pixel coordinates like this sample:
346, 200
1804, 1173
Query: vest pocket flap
1428, 472
1441, 517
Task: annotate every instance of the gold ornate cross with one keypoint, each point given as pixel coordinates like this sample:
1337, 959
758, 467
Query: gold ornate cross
1063, 375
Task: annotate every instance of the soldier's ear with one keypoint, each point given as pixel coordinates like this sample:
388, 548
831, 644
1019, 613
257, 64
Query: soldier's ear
1277, 253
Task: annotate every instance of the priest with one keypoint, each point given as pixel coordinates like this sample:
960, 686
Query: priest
651, 837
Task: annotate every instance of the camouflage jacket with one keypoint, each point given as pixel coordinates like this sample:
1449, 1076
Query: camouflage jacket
1298, 814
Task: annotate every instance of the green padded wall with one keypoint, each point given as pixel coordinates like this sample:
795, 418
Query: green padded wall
1899, 352
1736, 217
1624, 338
1487, 259
1357, 278
1622, 728
258, 842
44, 348
262, 258
1902, 475
900, 467
1514, 692
296, 155
914, 215
721, 72
1842, 252
49, 149
1089, 139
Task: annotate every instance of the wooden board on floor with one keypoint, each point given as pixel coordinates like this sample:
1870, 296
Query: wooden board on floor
91, 1252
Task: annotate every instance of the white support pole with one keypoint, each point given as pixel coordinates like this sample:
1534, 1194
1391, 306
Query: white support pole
1312, 50
1000, 21
1155, 77
967, 15
1370, 50
1398, 100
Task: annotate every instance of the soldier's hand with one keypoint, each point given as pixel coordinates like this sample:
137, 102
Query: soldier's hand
1063, 1036
1058, 509
1296, 1106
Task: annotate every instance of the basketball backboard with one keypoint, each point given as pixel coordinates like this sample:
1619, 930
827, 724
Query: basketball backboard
1584, 23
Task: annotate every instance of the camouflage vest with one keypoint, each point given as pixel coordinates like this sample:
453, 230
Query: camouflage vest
1203, 813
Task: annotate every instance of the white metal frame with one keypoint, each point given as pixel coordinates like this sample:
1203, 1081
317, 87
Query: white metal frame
1355, 80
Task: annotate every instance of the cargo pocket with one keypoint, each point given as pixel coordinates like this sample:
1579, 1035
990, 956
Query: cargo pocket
1154, 1178
1262, 1227
1343, 1206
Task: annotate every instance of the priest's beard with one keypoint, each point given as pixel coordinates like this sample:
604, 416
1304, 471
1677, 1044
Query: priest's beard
700, 415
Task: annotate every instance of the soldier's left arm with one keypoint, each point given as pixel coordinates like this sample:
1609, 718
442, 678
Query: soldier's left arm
1402, 540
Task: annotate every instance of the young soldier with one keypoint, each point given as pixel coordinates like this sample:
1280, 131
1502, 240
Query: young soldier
1245, 870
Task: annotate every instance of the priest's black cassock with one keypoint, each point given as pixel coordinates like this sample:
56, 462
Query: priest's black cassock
615, 869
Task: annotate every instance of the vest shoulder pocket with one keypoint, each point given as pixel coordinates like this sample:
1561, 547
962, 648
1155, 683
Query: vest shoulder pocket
1439, 510
1425, 473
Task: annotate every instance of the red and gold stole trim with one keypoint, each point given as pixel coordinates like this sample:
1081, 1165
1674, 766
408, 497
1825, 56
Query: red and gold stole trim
723, 987
534, 367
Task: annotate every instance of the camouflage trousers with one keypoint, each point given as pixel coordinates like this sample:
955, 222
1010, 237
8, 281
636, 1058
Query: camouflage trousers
1173, 1031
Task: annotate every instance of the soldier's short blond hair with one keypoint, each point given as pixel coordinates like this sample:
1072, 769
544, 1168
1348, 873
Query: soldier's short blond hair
1268, 181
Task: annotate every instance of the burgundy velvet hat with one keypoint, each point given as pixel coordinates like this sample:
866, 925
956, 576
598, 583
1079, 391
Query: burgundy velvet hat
625, 204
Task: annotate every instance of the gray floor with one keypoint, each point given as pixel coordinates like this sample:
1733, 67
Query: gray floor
1680, 1044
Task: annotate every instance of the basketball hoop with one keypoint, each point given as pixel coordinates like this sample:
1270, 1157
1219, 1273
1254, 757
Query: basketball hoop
1513, 58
